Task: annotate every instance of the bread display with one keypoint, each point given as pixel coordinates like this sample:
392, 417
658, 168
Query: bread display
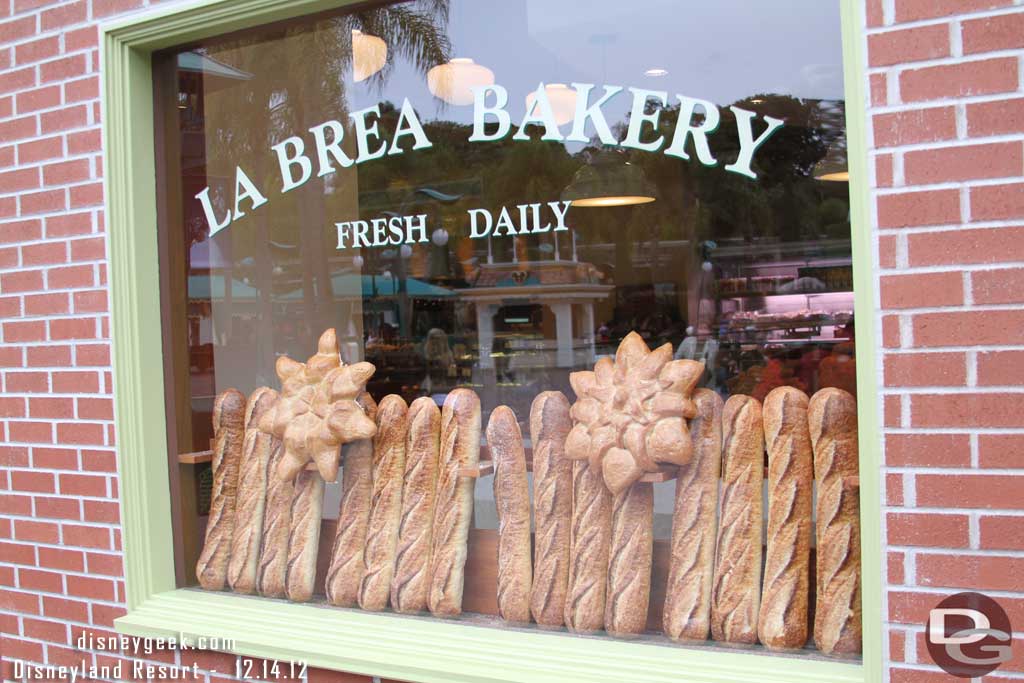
346, 568
277, 527
735, 568
687, 611
228, 438
630, 414
629, 560
832, 419
736, 590
411, 580
385, 503
512, 499
317, 410
782, 622
304, 538
250, 501
453, 507
552, 507
590, 536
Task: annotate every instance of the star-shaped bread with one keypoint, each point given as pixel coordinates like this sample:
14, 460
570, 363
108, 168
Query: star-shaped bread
317, 411
630, 413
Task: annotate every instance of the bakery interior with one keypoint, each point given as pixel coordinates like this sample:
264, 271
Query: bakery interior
751, 277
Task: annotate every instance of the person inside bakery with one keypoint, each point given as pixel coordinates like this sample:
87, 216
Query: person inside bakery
439, 360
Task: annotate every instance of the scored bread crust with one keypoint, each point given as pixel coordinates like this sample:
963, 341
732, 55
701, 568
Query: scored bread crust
411, 581
512, 500
736, 590
385, 503
304, 538
346, 567
453, 507
228, 438
832, 416
629, 560
552, 507
692, 551
251, 498
277, 526
782, 622
590, 536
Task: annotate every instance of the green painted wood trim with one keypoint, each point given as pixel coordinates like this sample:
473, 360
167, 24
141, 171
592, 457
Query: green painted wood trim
864, 286
434, 650
420, 649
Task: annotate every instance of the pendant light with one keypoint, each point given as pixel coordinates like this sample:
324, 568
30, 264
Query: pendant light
562, 99
454, 81
609, 180
369, 54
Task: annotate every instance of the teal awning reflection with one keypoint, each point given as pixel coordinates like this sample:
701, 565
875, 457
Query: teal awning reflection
211, 287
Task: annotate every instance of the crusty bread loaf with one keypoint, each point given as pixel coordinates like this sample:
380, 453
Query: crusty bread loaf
453, 507
832, 416
411, 581
251, 499
512, 500
347, 568
736, 592
304, 539
629, 560
386, 503
687, 611
782, 622
552, 507
228, 437
590, 537
277, 527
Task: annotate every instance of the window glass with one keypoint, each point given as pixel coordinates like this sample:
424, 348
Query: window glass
454, 238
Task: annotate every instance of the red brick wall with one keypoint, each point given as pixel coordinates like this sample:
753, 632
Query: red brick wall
947, 120
947, 130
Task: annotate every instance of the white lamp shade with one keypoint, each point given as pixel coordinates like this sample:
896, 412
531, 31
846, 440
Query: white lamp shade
454, 82
562, 99
369, 53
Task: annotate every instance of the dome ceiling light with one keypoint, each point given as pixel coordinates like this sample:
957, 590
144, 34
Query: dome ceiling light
369, 54
454, 82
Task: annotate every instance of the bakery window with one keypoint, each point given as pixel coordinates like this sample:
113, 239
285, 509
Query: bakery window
521, 315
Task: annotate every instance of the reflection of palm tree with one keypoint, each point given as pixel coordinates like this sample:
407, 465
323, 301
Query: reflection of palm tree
299, 82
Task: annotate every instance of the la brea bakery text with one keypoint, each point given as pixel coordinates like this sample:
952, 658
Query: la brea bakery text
698, 120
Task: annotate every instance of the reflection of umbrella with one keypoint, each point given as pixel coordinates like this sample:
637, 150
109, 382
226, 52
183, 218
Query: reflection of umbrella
347, 285
803, 284
211, 287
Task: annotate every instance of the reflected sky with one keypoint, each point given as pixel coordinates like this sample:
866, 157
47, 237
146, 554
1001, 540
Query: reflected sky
721, 51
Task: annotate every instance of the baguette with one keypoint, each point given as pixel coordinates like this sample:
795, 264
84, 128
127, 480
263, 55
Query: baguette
386, 503
692, 551
228, 437
277, 524
782, 623
512, 500
589, 540
251, 499
832, 416
411, 580
453, 507
347, 568
552, 507
304, 539
629, 560
736, 590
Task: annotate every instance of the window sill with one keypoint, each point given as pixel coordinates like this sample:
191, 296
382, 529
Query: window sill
429, 650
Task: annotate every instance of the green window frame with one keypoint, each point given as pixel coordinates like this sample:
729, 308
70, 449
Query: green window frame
415, 649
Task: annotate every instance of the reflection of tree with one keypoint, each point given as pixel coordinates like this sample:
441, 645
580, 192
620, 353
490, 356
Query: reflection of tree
299, 75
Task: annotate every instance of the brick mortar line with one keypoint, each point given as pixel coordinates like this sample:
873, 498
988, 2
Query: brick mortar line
937, 510
957, 471
950, 144
948, 60
941, 102
968, 184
